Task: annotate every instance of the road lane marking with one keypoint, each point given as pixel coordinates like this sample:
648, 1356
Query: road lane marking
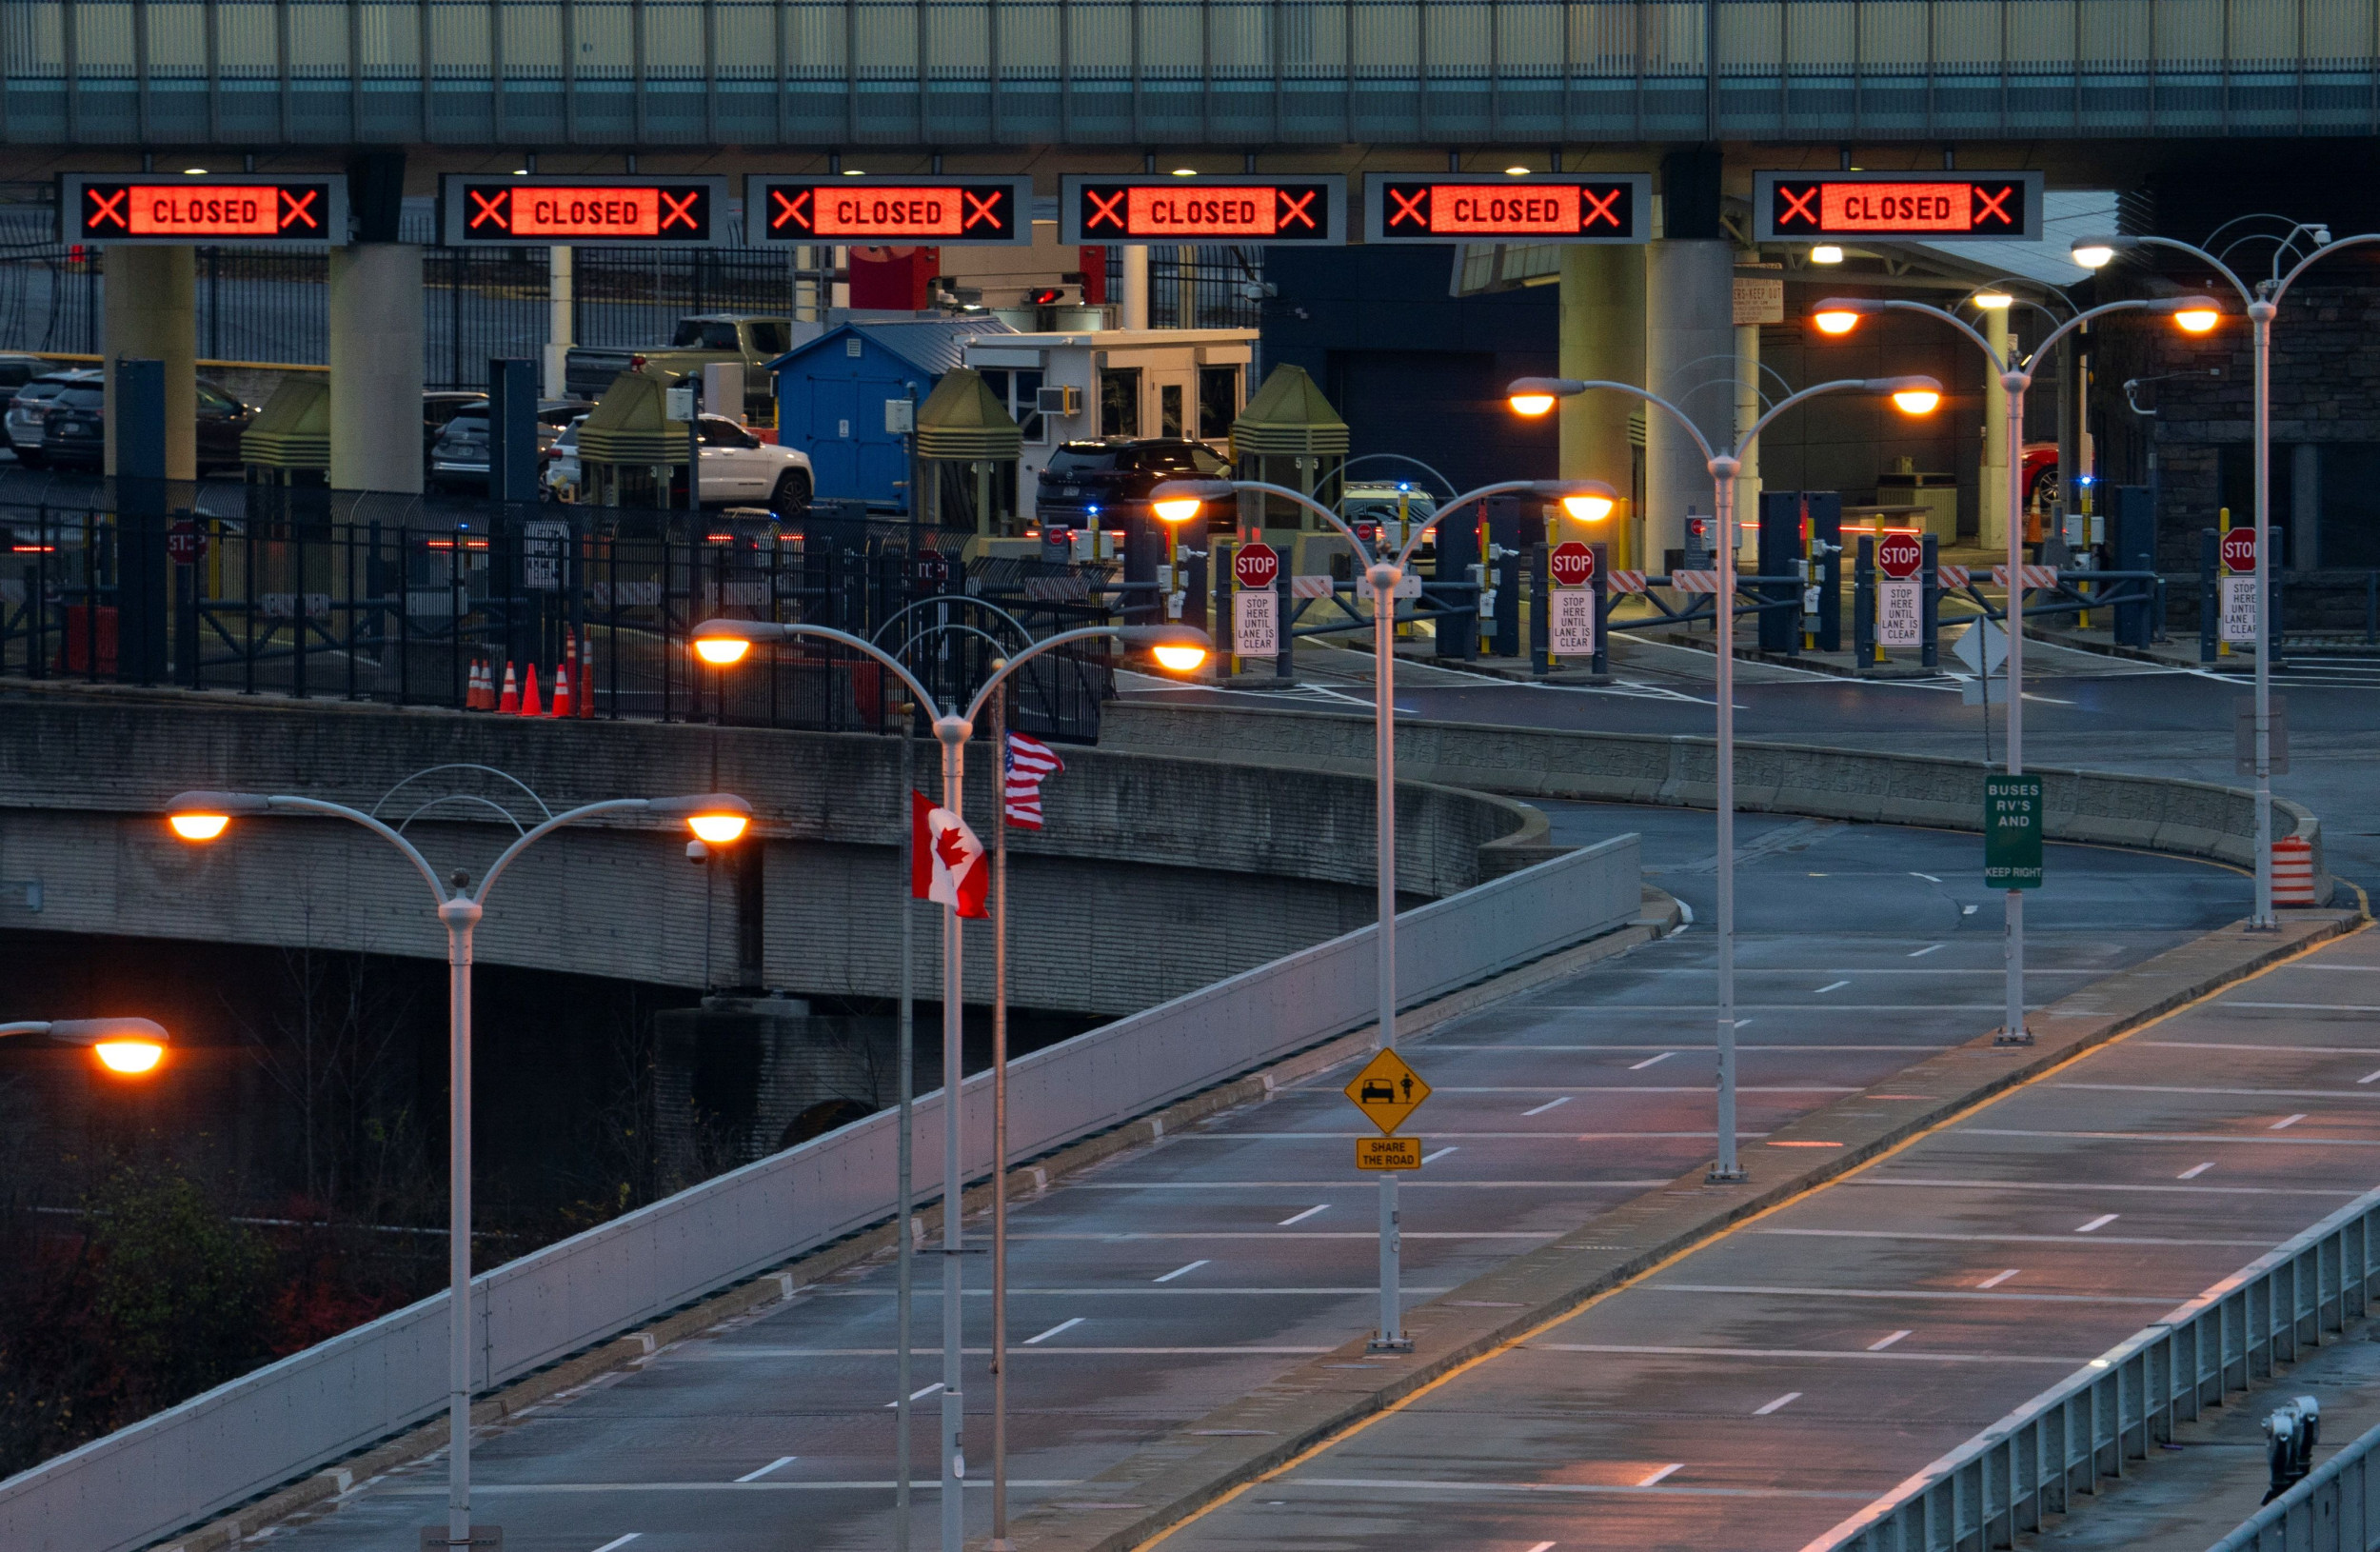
1649, 1482
1418, 1185
1555, 1105
1930, 878
1441, 1153
2002, 1239
1674, 1049
2175, 1137
915, 1395
2099, 1223
621, 1542
1110, 1293
2241, 1093
2162, 1301
1178, 1271
1412, 1485
1633, 1090
1062, 1326
1777, 1405
781, 1461
1307, 1234
2369, 1078
1927, 950
2260, 1045
2287, 1121
2311, 1007
1879, 1347
2196, 1170
1627, 1349
2101, 1186
1649, 1061
727, 1355
1999, 1278
920, 1484
1834, 986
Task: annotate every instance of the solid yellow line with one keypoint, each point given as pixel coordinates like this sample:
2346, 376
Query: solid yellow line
1623, 1286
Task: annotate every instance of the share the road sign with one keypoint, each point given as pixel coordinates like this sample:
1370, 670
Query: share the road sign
1387, 1091
1388, 1153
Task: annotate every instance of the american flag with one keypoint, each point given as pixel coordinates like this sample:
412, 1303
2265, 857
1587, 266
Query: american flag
1029, 761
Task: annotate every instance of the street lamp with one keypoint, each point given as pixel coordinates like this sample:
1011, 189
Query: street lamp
128, 1047
1911, 396
1587, 500
715, 818
2262, 301
2194, 314
721, 643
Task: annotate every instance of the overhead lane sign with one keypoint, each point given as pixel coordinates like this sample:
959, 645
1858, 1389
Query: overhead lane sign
1307, 212
877, 210
1539, 207
583, 212
119, 211
1885, 205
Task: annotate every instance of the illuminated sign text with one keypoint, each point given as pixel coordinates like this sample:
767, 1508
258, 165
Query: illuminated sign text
1899, 204
193, 210
593, 211
1543, 207
1166, 210
976, 211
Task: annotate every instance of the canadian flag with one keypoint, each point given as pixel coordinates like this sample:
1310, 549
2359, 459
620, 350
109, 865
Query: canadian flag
945, 858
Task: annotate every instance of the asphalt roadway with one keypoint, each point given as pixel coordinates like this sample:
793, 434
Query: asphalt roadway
1177, 1277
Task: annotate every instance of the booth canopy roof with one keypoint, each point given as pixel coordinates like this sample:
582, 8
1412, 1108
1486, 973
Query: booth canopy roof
1288, 416
963, 418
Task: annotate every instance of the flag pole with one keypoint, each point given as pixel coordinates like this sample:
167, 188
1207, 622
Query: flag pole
1000, 1122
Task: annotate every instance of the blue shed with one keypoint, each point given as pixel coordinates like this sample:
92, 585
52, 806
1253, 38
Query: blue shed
831, 392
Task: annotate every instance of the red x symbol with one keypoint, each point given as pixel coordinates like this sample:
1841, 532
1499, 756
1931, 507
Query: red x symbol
1597, 210
679, 210
1294, 209
107, 208
979, 210
1993, 206
1797, 204
788, 209
1109, 209
1409, 208
492, 207
293, 209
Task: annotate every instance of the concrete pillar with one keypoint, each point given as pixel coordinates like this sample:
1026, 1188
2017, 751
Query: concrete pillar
376, 367
1136, 297
1689, 360
1993, 516
559, 284
1748, 410
1602, 335
153, 314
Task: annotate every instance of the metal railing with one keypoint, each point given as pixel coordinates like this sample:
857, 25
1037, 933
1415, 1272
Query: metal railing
2336, 1509
219, 1449
2125, 1403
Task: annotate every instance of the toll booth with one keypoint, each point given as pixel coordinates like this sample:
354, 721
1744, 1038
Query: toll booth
1801, 544
629, 452
288, 443
967, 446
1288, 435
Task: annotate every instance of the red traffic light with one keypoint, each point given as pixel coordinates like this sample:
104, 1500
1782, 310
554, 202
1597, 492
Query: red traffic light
1048, 296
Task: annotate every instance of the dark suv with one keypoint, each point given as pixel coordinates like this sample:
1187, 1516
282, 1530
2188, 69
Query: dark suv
1088, 484
75, 431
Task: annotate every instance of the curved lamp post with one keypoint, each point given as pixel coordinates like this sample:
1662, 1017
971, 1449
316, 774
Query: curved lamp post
721, 643
1179, 501
2261, 302
1911, 396
716, 818
128, 1047
1838, 316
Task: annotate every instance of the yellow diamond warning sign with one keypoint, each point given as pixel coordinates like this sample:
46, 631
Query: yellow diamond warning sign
1387, 1091
1388, 1153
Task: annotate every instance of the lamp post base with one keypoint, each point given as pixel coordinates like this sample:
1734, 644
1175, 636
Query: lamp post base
490, 1537
2001, 1037
1737, 1176
1389, 1345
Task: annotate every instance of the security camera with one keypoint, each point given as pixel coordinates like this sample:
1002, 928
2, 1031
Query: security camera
697, 853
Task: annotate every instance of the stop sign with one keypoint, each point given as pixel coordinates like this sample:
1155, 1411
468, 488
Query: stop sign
1255, 566
1572, 562
186, 542
1898, 555
2239, 551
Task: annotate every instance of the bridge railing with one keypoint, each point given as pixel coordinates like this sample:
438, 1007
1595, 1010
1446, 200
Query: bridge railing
2336, 1509
2125, 1403
219, 1449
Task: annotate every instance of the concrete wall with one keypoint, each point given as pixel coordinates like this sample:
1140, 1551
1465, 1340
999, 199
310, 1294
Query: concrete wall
1157, 873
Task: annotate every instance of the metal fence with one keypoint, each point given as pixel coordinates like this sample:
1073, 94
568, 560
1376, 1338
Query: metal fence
2126, 1402
407, 600
248, 1437
2335, 1509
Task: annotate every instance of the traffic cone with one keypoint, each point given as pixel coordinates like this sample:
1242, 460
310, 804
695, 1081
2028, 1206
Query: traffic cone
509, 702
480, 692
562, 689
586, 677
2292, 871
531, 706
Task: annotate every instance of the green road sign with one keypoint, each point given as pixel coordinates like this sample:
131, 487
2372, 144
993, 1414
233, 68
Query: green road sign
2012, 832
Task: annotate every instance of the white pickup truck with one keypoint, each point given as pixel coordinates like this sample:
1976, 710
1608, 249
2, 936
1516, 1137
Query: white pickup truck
739, 470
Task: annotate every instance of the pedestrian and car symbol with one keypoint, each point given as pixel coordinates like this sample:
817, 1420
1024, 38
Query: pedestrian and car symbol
1387, 1091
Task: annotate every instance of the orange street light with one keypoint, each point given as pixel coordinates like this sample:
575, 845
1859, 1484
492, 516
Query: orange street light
1591, 502
721, 652
1177, 509
1916, 401
2197, 320
1179, 657
718, 826
1835, 320
128, 1047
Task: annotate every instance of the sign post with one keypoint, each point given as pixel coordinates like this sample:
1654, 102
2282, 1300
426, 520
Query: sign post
1255, 605
2240, 586
1570, 607
1899, 596
1387, 1091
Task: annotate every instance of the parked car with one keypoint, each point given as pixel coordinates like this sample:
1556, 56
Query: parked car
560, 477
29, 407
1087, 483
459, 457
15, 371
74, 426
740, 469
439, 405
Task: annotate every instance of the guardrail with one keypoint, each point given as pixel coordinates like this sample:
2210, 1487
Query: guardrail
2123, 1404
2335, 1509
220, 1449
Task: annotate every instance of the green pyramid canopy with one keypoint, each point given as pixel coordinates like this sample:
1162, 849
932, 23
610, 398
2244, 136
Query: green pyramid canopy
294, 428
1288, 416
628, 427
963, 418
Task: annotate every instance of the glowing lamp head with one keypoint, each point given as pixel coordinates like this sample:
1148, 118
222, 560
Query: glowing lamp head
1826, 254
721, 650
1993, 301
1531, 404
2196, 320
131, 1057
1177, 510
2092, 255
1835, 320
719, 830
199, 827
1179, 657
1587, 506
1515, 173
1916, 401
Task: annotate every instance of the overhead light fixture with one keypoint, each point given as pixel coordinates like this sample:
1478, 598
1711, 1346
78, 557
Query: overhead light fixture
1516, 171
1993, 301
1185, 172
1826, 254
193, 172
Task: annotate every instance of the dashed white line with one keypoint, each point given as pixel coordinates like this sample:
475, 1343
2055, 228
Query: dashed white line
2287, 1121
2369, 1078
1178, 1271
1930, 878
1928, 948
1999, 1278
1781, 1403
1303, 1216
1429, 1158
621, 1542
1832, 985
1542, 1546
1879, 1347
1555, 1105
2198, 1169
2099, 1223
1652, 1480
1639, 1067
917, 1394
778, 1464
1062, 1326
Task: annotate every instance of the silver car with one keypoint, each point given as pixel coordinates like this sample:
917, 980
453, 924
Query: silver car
29, 407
